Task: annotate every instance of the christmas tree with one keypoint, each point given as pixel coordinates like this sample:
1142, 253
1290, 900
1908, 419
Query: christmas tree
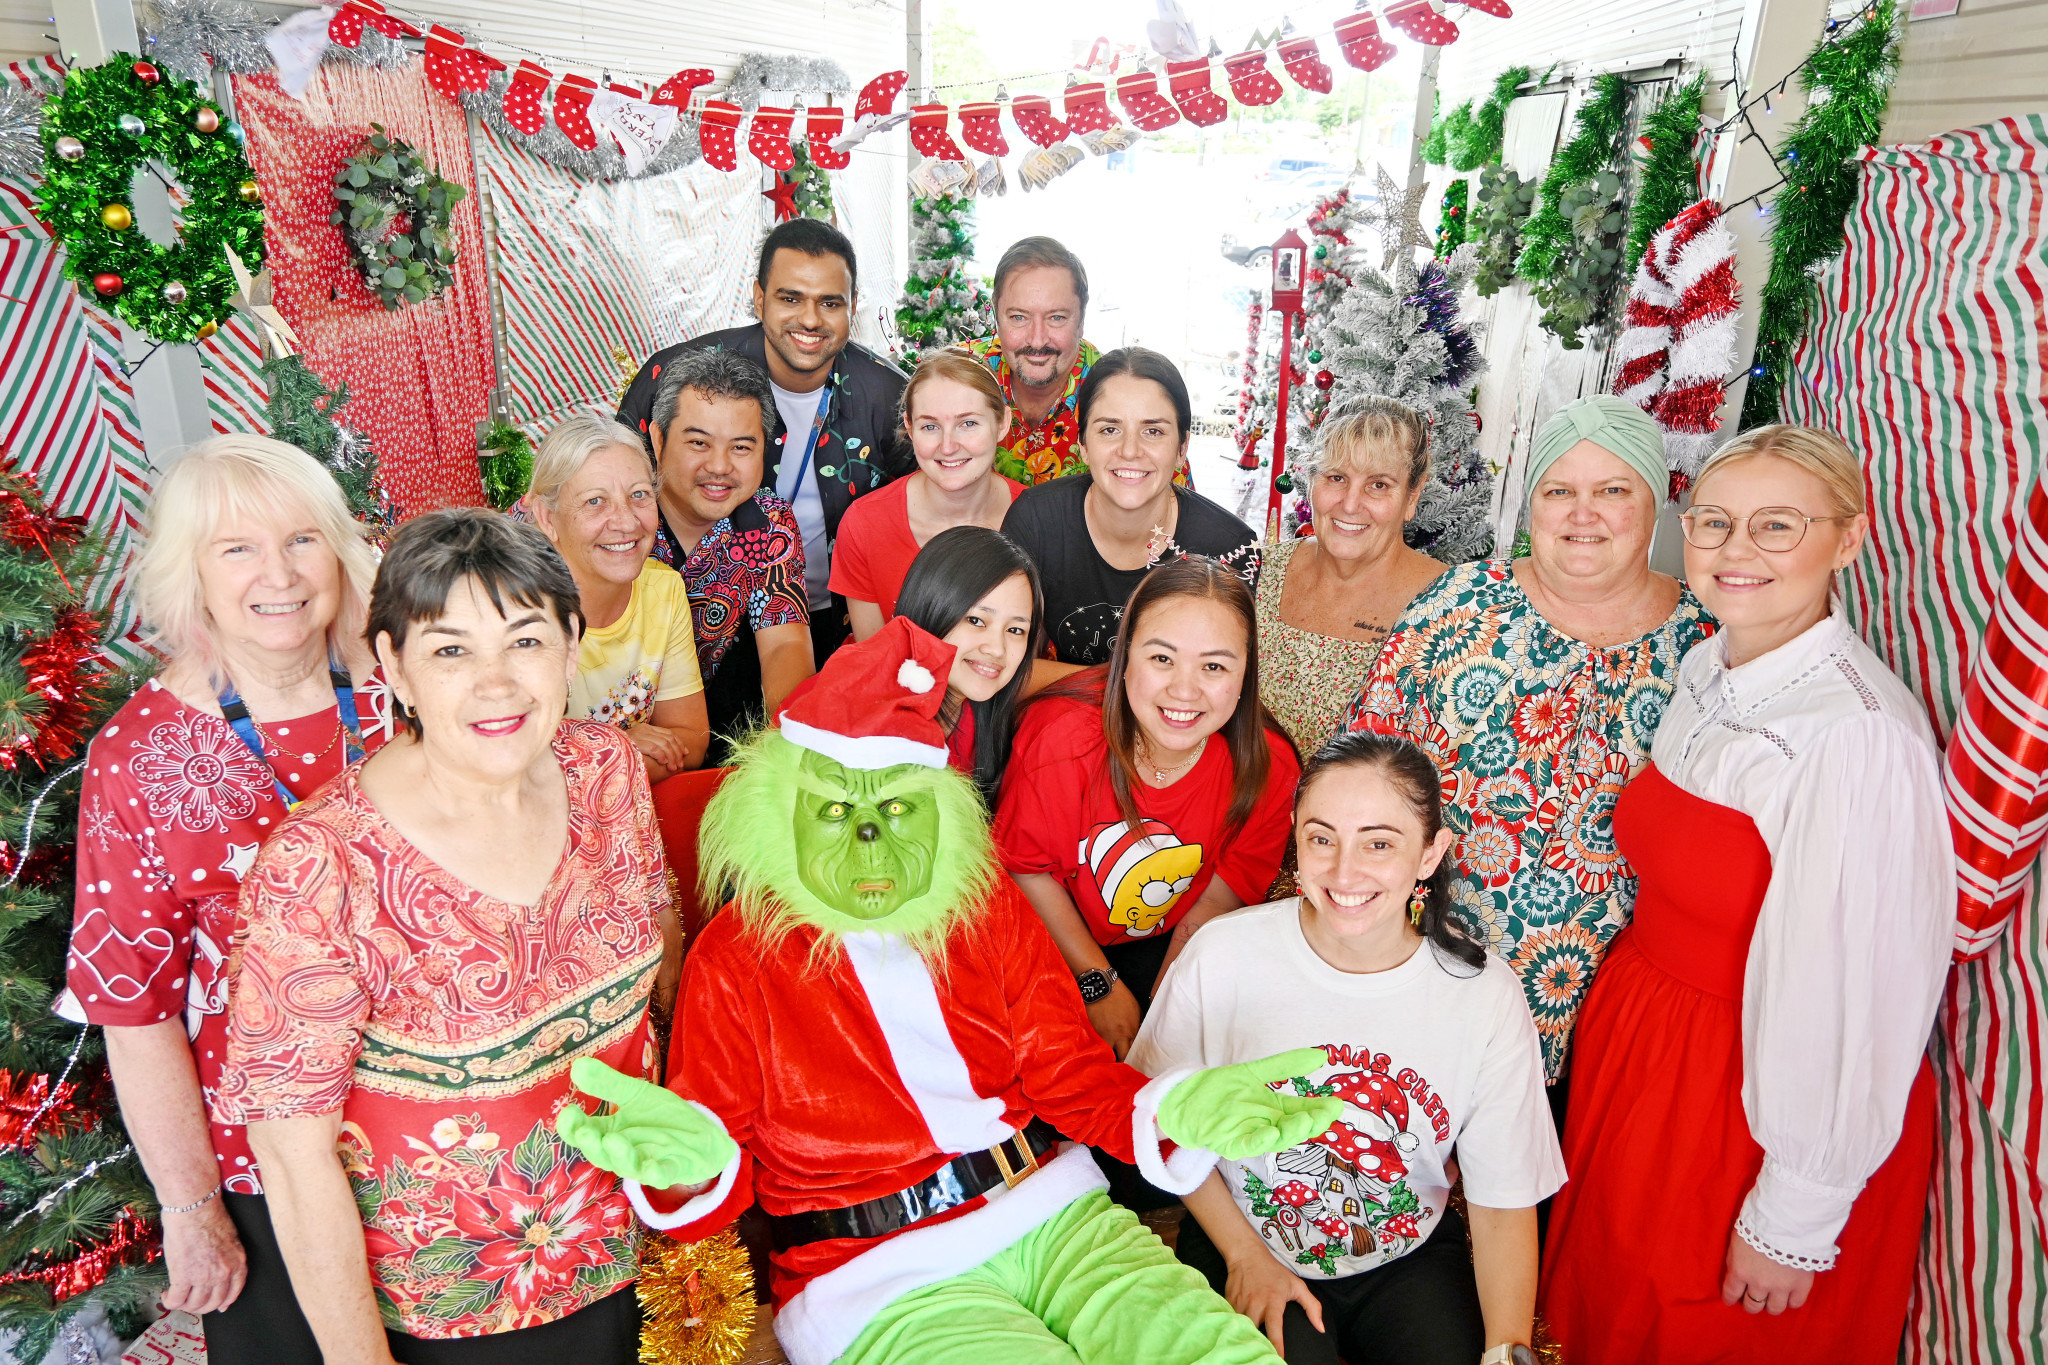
813, 185
306, 413
77, 1219
943, 302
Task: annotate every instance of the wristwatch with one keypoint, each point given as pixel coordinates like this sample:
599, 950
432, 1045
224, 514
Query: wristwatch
1095, 984
1509, 1353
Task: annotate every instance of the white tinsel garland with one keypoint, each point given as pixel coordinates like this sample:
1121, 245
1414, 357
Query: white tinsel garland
21, 133
763, 71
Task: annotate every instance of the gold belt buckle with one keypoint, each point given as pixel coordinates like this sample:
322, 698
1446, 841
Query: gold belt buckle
1013, 1177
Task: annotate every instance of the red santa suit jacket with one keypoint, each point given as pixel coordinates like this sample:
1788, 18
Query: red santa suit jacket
863, 1074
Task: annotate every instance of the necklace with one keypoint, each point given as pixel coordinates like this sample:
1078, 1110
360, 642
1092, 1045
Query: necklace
277, 748
1159, 774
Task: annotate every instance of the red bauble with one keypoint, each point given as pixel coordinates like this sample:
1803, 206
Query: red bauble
1324, 379
147, 71
108, 283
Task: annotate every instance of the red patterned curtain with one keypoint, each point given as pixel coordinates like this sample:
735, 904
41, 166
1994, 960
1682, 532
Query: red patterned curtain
419, 377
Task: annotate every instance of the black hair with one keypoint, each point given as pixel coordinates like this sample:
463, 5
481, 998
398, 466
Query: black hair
711, 374
1028, 252
1413, 773
955, 571
510, 560
1138, 363
813, 238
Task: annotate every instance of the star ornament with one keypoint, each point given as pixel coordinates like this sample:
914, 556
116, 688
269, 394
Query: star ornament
1398, 217
782, 194
253, 298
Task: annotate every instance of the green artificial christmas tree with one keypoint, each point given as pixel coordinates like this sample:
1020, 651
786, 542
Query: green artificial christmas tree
943, 303
813, 185
1451, 225
306, 413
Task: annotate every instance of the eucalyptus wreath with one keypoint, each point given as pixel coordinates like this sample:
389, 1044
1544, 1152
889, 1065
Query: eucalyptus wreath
395, 211
1572, 244
1499, 209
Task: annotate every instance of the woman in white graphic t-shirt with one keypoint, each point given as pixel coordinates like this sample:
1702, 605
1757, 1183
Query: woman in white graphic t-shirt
1348, 1245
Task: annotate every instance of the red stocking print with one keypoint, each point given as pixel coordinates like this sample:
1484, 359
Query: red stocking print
1249, 79
678, 89
572, 110
717, 126
522, 98
981, 127
1087, 109
1359, 37
1140, 97
928, 133
769, 140
1189, 82
878, 94
1306, 65
1420, 21
1033, 115
820, 128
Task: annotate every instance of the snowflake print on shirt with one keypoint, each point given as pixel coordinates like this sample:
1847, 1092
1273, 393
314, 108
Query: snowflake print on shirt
196, 772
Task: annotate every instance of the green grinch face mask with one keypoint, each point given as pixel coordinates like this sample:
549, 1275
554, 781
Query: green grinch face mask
865, 841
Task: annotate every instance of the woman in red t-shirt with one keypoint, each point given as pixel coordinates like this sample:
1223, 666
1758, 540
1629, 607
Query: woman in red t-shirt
956, 415
1122, 823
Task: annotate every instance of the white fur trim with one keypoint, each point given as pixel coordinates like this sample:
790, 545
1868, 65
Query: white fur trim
1188, 1167
867, 752
817, 1326
913, 676
899, 990
694, 1207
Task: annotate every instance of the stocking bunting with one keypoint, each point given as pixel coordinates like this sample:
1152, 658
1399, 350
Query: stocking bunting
717, 126
1087, 109
631, 92
1497, 8
1140, 97
522, 98
928, 133
878, 94
1033, 116
1420, 21
1249, 79
451, 67
572, 110
477, 66
346, 27
769, 140
819, 129
981, 128
1359, 36
677, 90
1189, 82
1306, 65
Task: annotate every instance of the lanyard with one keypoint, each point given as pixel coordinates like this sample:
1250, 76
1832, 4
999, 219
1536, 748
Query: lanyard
236, 713
817, 434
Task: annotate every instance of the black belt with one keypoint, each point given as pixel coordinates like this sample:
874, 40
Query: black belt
953, 1184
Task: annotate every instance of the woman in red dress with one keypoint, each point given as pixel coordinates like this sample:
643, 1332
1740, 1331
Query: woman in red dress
1751, 1127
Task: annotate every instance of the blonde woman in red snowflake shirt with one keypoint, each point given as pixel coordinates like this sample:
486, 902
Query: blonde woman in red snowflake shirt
255, 580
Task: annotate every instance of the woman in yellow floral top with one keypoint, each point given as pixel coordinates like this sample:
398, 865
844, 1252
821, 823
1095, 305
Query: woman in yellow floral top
1537, 685
429, 943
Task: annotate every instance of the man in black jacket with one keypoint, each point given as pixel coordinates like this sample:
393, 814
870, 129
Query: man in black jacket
837, 432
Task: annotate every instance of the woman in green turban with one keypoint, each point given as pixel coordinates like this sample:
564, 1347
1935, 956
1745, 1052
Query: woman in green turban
1537, 684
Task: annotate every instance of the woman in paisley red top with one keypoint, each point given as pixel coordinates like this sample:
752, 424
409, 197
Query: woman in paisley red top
429, 944
256, 580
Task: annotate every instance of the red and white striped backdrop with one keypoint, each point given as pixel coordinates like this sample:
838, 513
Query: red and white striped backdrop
1929, 352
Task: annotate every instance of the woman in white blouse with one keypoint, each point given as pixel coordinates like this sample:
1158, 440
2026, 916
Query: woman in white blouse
1752, 1114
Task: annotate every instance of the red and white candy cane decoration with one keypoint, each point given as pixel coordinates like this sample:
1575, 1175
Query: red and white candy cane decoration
768, 139
676, 91
1358, 36
1420, 21
981, 127
821, 124
717, 126
928, 133
572, 110
1677, 343
1306, 65
1996, 781
1087, 109
522, 98
1140, 97
1249, 79
878, 94
1033, 117
1189, 83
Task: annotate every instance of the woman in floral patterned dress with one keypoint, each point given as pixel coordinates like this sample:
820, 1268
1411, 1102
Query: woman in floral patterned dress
429, 944
255, 581
1537, 685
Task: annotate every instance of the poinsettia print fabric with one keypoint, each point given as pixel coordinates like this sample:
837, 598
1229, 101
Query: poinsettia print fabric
441, 1023
1536, 734
171, 811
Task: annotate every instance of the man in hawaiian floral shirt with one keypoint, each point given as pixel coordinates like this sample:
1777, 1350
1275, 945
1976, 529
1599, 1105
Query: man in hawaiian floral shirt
1039, 358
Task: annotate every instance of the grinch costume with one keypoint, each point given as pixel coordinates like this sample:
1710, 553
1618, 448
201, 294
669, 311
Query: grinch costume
864, 1033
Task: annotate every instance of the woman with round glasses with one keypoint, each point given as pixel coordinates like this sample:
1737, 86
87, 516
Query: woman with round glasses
1751, 1127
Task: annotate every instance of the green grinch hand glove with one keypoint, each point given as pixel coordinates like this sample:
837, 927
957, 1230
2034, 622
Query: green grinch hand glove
1234, 1112
655, 1136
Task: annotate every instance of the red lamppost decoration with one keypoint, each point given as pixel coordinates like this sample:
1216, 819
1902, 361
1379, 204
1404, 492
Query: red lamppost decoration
1289, 254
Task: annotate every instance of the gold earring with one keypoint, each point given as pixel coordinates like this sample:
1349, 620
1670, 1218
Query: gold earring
1417, 901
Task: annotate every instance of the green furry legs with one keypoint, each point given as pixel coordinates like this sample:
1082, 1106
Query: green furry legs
1091, 1285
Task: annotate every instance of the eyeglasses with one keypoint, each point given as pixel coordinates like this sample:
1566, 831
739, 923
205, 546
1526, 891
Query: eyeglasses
1773, 530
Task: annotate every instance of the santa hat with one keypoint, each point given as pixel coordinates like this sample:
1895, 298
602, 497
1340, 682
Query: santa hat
876, 704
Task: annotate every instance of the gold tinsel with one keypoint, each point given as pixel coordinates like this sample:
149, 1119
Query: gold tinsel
1547, 1347
629, 370
698, 1298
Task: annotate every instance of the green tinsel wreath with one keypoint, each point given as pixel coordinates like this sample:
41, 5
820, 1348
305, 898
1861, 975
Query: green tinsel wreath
170, 293
377, 188
1482, 140
1571, 245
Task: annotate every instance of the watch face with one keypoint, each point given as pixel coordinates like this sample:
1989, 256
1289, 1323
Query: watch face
1094, 985
1522, 1355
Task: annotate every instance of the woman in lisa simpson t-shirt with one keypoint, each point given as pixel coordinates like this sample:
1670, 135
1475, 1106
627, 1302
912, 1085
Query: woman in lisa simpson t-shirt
1348, 1245
1147, 798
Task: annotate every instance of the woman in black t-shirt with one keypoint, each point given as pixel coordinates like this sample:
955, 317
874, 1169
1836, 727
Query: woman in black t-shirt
1094, 535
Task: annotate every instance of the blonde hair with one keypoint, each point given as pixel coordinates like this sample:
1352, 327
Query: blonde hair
573, 441
233, 476
1376, 430
1820, 453
961, 368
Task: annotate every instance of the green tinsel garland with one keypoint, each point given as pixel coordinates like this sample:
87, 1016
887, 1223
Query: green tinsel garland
1482, 140
170, 293
1571, 248
1848, 83
1670, 180
1433, 151
506, 464
304, 412
1450, 229
1457, 126
386, 183
1495, 223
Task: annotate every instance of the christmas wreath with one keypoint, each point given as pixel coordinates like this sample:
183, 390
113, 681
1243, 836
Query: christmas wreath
395, 211
1572, 244
107, 124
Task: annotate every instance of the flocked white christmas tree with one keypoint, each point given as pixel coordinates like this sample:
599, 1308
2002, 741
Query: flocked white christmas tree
944, 302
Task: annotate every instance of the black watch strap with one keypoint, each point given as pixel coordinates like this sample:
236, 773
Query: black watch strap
1095, 984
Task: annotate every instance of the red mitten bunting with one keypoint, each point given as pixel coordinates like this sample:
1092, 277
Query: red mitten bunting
522, 98
1189, 82
1306, 65
769, 139
820, 127
981, 127
1033, 117
928, 133
717, 126
1359, 37
1087, 109
878, 94
1249, 79
1140, 97
572, 110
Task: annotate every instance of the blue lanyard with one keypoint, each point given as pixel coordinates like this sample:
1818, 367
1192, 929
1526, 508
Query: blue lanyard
817, 433
236, 713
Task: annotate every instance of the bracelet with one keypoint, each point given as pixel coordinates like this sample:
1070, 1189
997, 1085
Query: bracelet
198, 1203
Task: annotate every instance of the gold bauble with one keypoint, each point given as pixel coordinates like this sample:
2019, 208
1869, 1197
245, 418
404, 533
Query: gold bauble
208, 329
116, 218
249, 191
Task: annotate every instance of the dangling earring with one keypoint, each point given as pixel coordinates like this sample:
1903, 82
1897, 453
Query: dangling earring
1417, 901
